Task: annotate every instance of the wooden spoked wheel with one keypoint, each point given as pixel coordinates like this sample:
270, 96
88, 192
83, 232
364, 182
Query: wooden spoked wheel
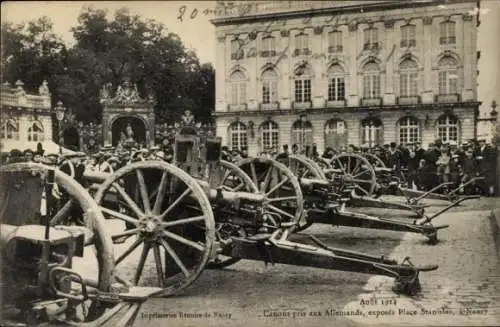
98, 251
67, 167
168, 214
355, 170
106, 167
324, 163
279, 185
234, 179
303, 167
374, 160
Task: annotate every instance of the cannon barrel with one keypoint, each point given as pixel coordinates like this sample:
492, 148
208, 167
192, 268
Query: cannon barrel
213, 194
313, 182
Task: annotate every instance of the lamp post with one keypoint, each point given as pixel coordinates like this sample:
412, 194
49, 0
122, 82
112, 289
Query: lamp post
60, 110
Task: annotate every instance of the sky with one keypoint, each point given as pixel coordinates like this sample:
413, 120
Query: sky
197, 34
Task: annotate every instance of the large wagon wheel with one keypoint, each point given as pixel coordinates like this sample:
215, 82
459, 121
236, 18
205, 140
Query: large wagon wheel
97, 239
176, 224
324, 163
67, 167
303, 167
356, 170
106, 167
235, 179
280, 186
375, 161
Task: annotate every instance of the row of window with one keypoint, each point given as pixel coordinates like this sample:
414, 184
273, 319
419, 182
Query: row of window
408, 82
10, 131
336, 40
335, 132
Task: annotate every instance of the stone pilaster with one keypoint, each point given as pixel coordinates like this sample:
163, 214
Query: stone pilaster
222, 50
427, 94
353, 40
388, 65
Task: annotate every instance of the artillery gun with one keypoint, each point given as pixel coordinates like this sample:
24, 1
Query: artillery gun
326, 200
378, 179
45, 256
201, 212
193, 214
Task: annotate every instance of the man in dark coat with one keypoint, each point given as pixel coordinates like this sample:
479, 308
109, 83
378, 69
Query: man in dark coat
470, 170
394, 158
419, 151
412, 165
283, 155
429, 171
486, 159
405, 154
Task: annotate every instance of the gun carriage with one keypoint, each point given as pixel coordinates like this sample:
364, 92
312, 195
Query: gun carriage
157, 224
325, 200
370, 178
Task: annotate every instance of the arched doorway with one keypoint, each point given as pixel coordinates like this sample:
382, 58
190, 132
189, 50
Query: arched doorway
128, 128
71, 138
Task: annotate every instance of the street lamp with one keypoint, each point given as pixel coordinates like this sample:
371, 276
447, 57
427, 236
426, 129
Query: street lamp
60, 110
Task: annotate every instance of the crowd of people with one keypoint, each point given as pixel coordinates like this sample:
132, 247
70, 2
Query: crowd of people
419, 168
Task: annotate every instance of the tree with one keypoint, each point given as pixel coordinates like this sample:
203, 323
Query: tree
107, 51
32, 53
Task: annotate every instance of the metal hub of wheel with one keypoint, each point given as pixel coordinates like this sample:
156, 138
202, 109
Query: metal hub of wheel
355, 170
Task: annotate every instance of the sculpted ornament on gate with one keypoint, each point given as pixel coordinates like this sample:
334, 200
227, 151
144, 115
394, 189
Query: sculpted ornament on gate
126, 94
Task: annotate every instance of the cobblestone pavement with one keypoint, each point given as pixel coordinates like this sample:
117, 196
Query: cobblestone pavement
465, 290
249, 293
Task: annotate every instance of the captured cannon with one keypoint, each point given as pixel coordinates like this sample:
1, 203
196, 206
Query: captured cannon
149, 229
378, 179
200, 212
325, 202
44, 255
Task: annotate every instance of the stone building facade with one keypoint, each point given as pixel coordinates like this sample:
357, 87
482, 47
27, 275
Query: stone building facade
25, 119
345, 72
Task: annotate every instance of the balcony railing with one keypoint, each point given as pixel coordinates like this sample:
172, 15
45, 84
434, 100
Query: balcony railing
237, 55
237, 107
335, 103
302, 105
371, 46
335, 48
301, 52
447, 98
413, 99
266, 54
443, 40
270, 106
371, 101
408, 43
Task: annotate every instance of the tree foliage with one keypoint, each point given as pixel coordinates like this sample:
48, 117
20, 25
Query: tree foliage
108, 51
